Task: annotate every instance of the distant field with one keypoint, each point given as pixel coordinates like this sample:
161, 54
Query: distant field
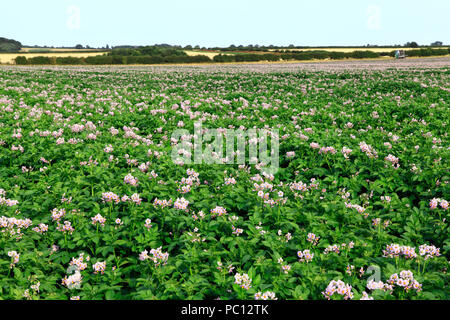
209, 54
378, 49
9, 57
33, 49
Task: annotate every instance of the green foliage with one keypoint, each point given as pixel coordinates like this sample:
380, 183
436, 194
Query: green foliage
69, 60
119, 59
21, 60
41, 60
148, 51
8, 45
69, 135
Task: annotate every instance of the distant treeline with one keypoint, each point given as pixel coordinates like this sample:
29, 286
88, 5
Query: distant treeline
113, 59
61, 51
152, 55
425, 52
148, 51
140, 55
322, 54
8, 45
296, 55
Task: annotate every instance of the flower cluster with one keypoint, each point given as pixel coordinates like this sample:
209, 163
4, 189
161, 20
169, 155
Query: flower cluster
337, 247
184, 186
65, 200
13, 226
349, 270
346, 152
153, 174
243, 281
162, 203
148, 224
332, 248
35, 287
129, 179
365, 296
433, 203
65, 227
109, 148
284, 267
268, 295
230, 181
195, 236
181, 204
14, 258
218, 211
405, 280
429, 251
286, 238
305, 256
99, 267
340, 288
136, 198
57, 214
143, 167
290, 154
5, 201
298, 186
73, 281
80, 262
41, 228
236, 231
393, 160
157, 256
312, 238
395, 250
110, 197
98, 219
358, 208
230, 267
325, 150
303, 187
375, 285
368, 150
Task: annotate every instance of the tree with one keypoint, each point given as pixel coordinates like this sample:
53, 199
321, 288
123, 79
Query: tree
8, 45
21, 60
79, 46
436, 44
412, 44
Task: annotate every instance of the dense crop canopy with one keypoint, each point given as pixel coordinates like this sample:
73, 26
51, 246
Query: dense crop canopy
92, 205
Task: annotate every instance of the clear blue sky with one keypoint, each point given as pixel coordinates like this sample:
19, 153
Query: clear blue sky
221, 23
